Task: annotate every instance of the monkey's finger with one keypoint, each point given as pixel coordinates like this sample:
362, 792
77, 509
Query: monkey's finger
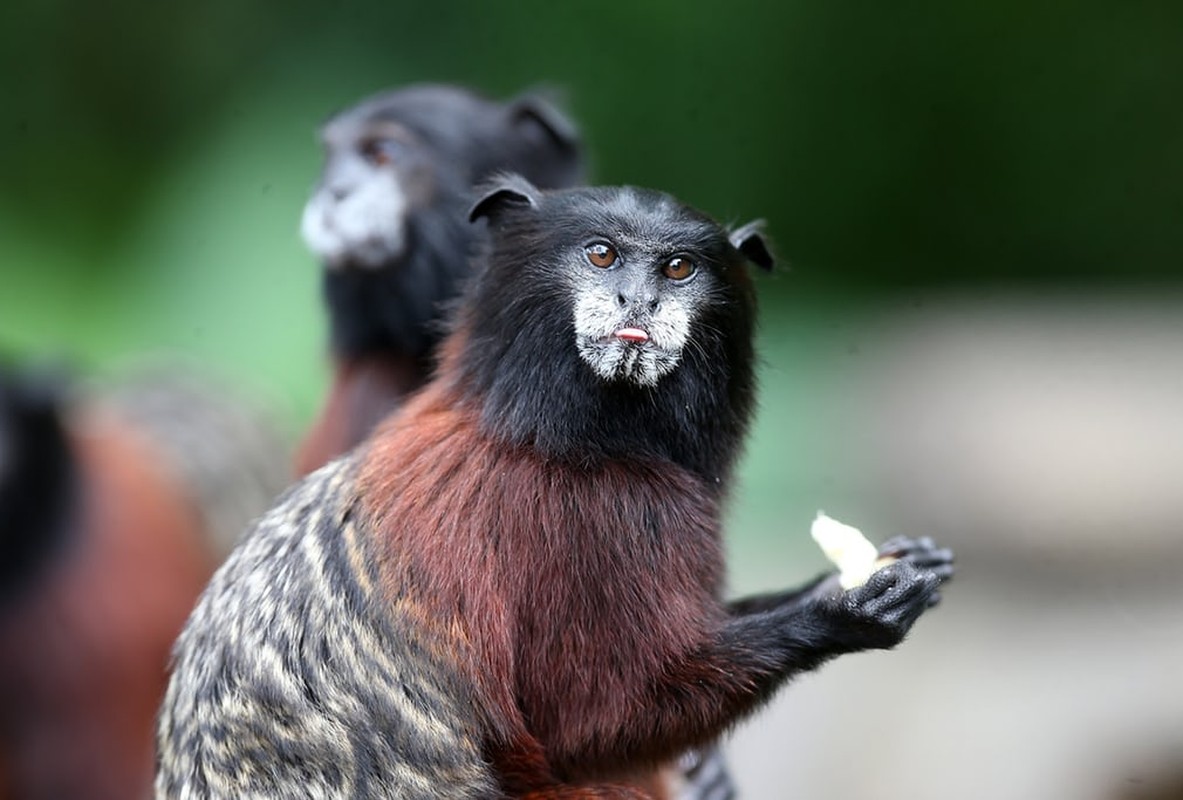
943, 571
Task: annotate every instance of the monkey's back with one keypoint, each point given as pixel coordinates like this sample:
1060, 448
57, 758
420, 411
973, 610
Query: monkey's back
291, 680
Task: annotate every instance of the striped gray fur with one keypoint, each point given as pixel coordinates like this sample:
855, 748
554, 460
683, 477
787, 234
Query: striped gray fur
705, 775
292, 679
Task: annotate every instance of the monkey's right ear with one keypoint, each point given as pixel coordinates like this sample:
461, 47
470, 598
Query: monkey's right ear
749, 240
503, 191
537, 109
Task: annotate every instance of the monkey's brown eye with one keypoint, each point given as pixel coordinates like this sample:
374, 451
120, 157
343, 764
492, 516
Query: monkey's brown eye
381, 151
679, 268
600, 255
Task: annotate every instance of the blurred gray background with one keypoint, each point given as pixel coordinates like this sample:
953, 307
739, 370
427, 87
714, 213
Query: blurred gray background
975, 335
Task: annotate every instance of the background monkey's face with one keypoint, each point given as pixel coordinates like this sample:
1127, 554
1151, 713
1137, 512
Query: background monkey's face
387, 218
399, 169
375, 172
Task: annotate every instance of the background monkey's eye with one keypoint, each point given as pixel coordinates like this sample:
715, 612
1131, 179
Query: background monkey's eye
600, 255
679, 268
381, 151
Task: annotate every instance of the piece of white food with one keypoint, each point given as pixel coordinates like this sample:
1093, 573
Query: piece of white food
856, 558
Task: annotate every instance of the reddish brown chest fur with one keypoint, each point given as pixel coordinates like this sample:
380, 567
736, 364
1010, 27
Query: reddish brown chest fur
567, 588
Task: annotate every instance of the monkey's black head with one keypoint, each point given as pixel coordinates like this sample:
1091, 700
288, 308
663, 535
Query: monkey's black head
613, 321
387, 217
37, 473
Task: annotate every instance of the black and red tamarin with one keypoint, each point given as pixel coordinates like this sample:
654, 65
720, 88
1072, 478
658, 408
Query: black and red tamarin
514, 588
388, 222
115, 509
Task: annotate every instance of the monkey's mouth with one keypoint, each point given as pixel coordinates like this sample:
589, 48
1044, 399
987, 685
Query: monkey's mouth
629, 354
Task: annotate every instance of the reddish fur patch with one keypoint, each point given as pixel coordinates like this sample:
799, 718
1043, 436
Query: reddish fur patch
567, 590
83, 655
363, 391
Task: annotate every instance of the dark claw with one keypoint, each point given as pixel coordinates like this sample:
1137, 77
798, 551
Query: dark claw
944, 572
922, 553
907, 543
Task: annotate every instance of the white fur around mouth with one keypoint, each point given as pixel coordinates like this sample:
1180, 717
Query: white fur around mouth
366, 228
614, 359
621, 347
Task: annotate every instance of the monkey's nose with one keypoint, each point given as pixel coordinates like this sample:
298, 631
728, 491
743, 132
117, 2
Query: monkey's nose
647, 301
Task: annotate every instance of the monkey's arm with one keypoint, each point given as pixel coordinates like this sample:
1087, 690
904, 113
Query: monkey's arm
751, 654
824, 584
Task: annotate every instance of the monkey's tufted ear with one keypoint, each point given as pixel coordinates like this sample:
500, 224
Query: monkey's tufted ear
749, 240
500, 192
534, 109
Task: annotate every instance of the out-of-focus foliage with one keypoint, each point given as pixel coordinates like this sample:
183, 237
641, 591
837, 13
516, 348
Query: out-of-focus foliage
917, 139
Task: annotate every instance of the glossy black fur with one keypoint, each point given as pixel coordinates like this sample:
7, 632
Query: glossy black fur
37, 476
695, 417
461, 138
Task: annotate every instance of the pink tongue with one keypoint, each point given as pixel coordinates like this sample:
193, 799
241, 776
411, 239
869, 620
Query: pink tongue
632, 335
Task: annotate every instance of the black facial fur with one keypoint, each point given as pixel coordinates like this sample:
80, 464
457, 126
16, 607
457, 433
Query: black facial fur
522, 360
37, 476
396, 307
394, 258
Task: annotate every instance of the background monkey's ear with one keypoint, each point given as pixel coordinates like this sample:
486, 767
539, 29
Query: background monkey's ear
749, 240
500, 192
537, 110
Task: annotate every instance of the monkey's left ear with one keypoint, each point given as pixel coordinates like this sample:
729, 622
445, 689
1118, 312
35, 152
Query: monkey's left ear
501, 191
534, 109
749, 240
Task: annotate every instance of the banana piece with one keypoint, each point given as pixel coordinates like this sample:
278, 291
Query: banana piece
856, 558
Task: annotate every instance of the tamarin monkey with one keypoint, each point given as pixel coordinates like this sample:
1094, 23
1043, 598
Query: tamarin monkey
116, 506
388, 220
513, 588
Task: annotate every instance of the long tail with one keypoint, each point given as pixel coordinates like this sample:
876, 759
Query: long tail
37, 473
